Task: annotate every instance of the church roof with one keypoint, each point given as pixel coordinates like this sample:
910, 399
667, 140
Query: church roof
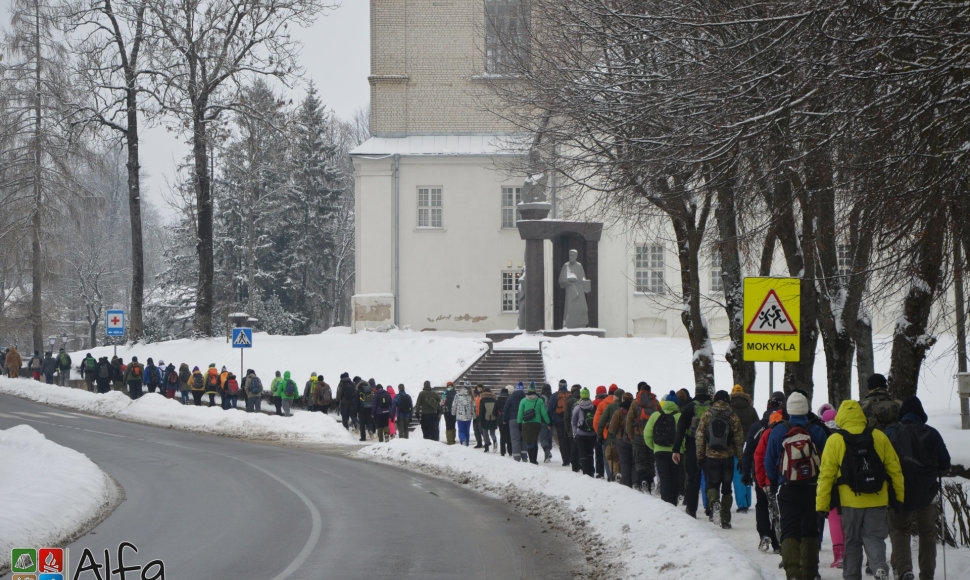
451, 145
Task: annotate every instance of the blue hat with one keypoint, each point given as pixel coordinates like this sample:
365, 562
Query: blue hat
672, 397
532, 387
520, 386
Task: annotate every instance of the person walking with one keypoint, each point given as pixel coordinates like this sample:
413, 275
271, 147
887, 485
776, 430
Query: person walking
617, 431
834, 519
463, 408
584, 434
230, 392
13, 362
719, 441
346, 397
134, 375
288, 392
766, 531
401, 409
744, 410
511, 411
324, 395
532, 416
598, 456
660, 435
558, 410
63, 368
860, 461
35, 365
448, 405
488, 418
428, 412
504, 438
49, 367
274, 386
185, 388
924, 458
103, 375
381, 411
309, 390
644, 405
545, 431
212, 383
171, 380
477, 422
253, 387
687, 439
365, 404
89, 367
197, 386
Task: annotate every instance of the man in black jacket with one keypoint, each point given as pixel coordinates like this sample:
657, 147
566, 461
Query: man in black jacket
689, 418
346, 397
769, 541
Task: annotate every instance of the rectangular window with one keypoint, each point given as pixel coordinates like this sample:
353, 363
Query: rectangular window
506, 35
510, 202
510, 290
717, 283
649, 268
429, 207
844, 257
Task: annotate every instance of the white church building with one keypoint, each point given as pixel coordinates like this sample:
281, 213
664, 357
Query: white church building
437, 243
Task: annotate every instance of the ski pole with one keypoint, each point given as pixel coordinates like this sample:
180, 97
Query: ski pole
939, 479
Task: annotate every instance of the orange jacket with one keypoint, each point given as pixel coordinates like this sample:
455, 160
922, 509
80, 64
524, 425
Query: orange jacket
599, 412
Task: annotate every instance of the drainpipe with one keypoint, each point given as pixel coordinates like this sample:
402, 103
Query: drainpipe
396, 227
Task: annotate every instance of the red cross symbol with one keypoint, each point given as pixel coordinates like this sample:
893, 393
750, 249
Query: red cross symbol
115, 321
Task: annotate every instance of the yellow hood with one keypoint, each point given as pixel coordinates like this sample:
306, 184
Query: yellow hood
850, 417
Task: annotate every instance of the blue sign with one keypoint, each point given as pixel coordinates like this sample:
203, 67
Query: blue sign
115, 323
242, 338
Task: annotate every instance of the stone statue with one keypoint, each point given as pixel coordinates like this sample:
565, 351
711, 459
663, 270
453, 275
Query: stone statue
520, 298
572, 277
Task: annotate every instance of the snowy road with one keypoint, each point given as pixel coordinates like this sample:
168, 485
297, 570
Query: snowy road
216, 507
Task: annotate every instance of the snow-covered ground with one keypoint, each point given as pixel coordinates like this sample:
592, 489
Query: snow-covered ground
603, 518
49, 492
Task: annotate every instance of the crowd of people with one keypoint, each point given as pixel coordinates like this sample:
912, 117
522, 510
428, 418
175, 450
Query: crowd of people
870, 470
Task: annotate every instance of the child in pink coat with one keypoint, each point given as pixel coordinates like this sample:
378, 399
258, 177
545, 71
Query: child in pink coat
391, 421
835, 519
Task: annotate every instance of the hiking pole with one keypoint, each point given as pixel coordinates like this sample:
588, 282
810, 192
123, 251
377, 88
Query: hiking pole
939, 479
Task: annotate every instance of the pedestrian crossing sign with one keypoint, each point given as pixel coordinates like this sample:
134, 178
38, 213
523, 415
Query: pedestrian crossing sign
772, 308
242, 338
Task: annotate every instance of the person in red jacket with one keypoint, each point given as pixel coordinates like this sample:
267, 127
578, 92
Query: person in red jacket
600, 457
600, 429
761, 476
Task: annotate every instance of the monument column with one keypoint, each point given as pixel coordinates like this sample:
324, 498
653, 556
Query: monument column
535, 284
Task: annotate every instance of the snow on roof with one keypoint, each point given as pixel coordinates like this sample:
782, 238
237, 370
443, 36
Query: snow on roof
417, 145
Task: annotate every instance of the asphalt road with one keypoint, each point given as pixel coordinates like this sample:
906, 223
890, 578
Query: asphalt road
212, 507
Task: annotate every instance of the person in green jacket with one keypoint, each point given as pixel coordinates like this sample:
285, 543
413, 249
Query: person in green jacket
659, 434
274, 389
287, 391
531, 416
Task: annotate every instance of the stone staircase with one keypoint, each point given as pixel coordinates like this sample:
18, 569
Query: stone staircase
499, 368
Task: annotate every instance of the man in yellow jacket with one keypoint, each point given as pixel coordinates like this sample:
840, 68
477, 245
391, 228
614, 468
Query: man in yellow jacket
863, 488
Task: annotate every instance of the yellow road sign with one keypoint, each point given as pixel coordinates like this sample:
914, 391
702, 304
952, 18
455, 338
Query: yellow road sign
772, 317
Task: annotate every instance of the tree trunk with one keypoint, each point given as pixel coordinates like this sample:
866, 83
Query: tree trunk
910, 338
136, 326
204, 212
864, 358
731, 277
36, 260
688, 246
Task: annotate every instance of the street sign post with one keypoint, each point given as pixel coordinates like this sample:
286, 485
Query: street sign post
115, 325
242, 338
772, 318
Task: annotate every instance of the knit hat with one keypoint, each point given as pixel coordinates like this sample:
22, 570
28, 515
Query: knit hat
912, 405
520, 386
584, 394
601, 390
722, 396
737, 389
825, 407
797, 404
777, 401
532, 387
194, 369
673, 398
828, 414
345, 375
643, 386
563, 383
877, 382
612, 389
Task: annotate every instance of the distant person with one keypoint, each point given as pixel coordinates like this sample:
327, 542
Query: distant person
365, 405
346, 397
288, 392
381, 412
308, 392
924, 458
171, 380
511, 411
488, 417
152, 378
274, 387
531, 416
448, 407
49, 367
644, 405
687, 439
401, 409
744, 409
427, 410
504, 439
36, 365
231, 392
103, 374
253, 388
768, 539
185, 387
197, 386
134, 373
463, 408
584, 435
13, 363
212, 383
324, 395
89, 368
719, 441
660, 435
63, 368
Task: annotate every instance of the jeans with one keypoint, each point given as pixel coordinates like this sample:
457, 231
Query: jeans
403, 426
185, 397
64, 376
925, 521
868, 528
197, 398
463, 432
49, 378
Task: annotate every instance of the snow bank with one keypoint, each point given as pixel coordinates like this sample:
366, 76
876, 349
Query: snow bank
393, 357
49, 492
653, 539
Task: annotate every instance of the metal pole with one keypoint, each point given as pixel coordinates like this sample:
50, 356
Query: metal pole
771, 378
939, 479
961, 320
241, 375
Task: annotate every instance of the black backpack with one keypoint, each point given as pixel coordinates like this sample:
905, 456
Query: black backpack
719, 430
104, 371
384, 402
915, 445
366, 396
404, 404
153, 373
862, 468
665, 430
586, 425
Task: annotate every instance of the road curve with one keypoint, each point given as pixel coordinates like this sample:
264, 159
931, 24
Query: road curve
212, 507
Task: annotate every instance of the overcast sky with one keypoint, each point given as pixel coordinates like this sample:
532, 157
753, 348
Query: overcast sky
336, 55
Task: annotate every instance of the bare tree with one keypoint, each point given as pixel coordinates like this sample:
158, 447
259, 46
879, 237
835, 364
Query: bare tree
209, 48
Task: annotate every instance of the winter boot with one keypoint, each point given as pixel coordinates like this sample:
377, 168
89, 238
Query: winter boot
450, 436
791, 558
838, 553
726, 501
486, 449
765, 544
809, 557
713, 510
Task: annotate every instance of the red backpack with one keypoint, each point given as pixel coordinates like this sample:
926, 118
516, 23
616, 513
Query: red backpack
232, 386
800, 460
647, 403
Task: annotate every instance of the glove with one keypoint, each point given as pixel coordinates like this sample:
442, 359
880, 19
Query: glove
822, 515
746, 480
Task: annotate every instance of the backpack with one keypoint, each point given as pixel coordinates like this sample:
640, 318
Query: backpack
35, 364
719, 430
699, 410
862, 468
232, 387
404, 404
430, 403
212, 379
488, 410
289, 389
915, 445
880, 409
800, 460
153, 376
665, 430
326, 396
647, 408
561, 403
89, 365
254, 384
384, 402
62, 360
586, 425
185, 376
136, 371
366, 396
104, 371
173, 377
